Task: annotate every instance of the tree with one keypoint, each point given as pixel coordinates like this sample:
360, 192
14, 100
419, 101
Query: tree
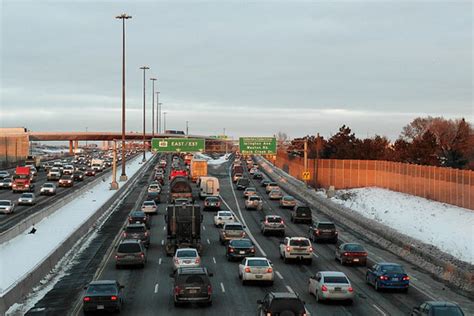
377, 148
342, 145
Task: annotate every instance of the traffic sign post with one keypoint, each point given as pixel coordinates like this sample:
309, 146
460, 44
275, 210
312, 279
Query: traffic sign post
306, 175
257, 145
171, 145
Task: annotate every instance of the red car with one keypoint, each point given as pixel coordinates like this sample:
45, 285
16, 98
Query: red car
351, 253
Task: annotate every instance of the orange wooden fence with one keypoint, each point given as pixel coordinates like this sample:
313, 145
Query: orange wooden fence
447, 185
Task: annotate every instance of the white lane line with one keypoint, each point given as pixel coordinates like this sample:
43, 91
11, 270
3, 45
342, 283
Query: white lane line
222, 288
379, 309
162, 242
290, 289
214, 259
279, 275
208, 241
156, 288
315, 255
203, 227
164, 227
159, 261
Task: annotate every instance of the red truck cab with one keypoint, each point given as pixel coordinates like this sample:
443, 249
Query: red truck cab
178, 173
22, 181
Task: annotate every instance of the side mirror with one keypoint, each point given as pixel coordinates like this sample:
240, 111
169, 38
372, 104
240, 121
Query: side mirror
210, 274
85, 287
259, 302
122, 286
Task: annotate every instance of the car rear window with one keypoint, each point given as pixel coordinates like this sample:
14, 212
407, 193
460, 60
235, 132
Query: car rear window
129, 248
251, 189
446, 311
225, 214
234, 227
149, 203
27, 195
212, 199
303, 209
287, 305
241, 243
135, 229
186, 254
326, 226
254, 198
102, 289
288, 198
299, 242
257, 263
192, 279
274, 219
353, 247
392, 269
48, 185
336, 279
243, 182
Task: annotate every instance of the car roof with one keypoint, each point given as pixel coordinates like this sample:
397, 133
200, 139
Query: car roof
257, 258
96, 282
130, 241
441, 303
137, 213
332, 273
278, 295
389, 264
179, 249
325, 222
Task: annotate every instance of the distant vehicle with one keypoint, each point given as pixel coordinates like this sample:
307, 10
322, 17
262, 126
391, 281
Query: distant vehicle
236, 177
253, 170
435, 308
66, 181
130, 252
139, 217
275, 194
198, 169
175, 132
249, 191
68, 169
97, 164
386, 275
254, 202
240, 248
33, 161
22, 180
188, 158
264, 182
90, 172
154, 187
273, 224
183, 227
271, 186
59, 165
186, 258
6, 183
4, 174
301, 213
258, 175
323, 231
48, 189
281, 303
331, 285
33, 172
6, 206
223, 217
103, 295
242, 183
153, 196
192, 285
178, 173
256, 269
231, 231
54, 174
163, 163
150, 207
287, 201
296, 248
212, 203
180, 188
208, 186
351, 253
27, 199
78, 175
137, 231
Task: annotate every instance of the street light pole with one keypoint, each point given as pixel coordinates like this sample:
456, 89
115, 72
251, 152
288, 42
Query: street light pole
144, 68
158, 123
153, 108
164, 122
187, 122
123, 17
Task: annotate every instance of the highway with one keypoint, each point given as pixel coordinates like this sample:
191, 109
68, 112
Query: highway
148, 291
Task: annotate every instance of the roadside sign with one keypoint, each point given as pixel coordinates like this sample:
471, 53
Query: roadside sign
306, 175
171, 145
257, 145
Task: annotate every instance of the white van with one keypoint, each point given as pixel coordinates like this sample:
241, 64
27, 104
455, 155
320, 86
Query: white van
208, 186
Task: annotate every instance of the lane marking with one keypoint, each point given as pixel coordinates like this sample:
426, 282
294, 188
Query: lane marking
162, 242
222, 287
208, 241
164, 227
159, 261
279, 275
290, 289
379, 309
203, 227
315, 255
214, 259
156, 288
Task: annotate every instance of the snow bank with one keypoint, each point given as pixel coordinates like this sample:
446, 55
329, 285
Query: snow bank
21, 254
448, 227
210, 160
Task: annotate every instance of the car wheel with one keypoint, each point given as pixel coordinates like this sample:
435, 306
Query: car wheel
270, 283
209, 303
318, 299
376, 286
285, 259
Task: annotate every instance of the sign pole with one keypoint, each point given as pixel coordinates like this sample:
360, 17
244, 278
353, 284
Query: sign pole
305, 153
114, 185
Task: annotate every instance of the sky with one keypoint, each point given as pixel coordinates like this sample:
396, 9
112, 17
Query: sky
251, 67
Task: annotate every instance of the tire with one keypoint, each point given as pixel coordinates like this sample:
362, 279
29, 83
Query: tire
209, 303
309, 262
244, 282
177, 304
376, 286
285, 259
318, 300
270, 283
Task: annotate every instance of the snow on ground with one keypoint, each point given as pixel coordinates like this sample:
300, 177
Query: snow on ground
21, 254
210, 160
448, 227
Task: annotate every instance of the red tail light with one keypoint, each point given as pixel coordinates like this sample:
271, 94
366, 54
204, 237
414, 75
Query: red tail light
209, 290
383, 277
350, 289
252, 250
87, 299
269, 270
242, 234
177, 290
282, 221
130, 219
142, 255
231, 249
197, 260
116, 257
113, 298
146, 233
345, 253
406, 278
288, 248
324, 288
266, 222
124, 234
247, 270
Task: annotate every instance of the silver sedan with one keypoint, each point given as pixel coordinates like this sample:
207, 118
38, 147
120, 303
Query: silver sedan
27, 199
331, 285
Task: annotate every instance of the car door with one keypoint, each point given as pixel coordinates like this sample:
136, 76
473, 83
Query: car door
371, 273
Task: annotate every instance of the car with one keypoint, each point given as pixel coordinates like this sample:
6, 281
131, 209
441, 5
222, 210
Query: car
281, 303
258, 269
242, 183
90, 172
249, 191
239, 248
66, 181
254, 202
323, 231
27, 199
388, 275
186, 258
264, 182
212, 203
253, 170
192, 285
435, 308
137, 231
287, 201
301, 214
231, 231
102, 295
139, 217
54, 174
153, 196
6, 183
68, 169
130, 252
4, 174
351, 253
154, 187
6, 206
271, 186
163, 163
223, 217
331, 285
257, 175
275, 194
236, 177
149, 207
272, 224
296, 248
78, 176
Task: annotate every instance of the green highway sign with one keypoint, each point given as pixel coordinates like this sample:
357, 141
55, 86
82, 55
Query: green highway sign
257, 145
172, 145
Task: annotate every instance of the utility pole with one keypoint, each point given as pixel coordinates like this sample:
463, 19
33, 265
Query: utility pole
164, 122
153, 108
144, 68
158, 123
305, 154
114, 185
187, 122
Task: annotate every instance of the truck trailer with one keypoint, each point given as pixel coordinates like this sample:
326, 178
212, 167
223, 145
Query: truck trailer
183, 227
22, 180
198, 169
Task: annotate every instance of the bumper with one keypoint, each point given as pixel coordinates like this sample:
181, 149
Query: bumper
274, 229
394, 285
185, 265
3, 211
337, 296
351, 260
197, 299
25, 202
222, 222
236, 255
47, 192
267, 277
90, 307
129, 262
332, 238
299, 256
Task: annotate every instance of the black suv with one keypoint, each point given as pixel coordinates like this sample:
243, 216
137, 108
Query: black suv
301, 213
323, 231
192, 285
281, 303
242, 183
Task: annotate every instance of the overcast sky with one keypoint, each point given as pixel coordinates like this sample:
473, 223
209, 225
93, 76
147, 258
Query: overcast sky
254, 68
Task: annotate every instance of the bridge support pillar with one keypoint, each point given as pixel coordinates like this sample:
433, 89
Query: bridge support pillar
76, 145
71, 147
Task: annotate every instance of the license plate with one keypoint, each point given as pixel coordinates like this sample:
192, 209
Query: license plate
356, 260
100, 306
242, 252
395, 279
187, 261
193, 291
337, 289
303, 214
259, 276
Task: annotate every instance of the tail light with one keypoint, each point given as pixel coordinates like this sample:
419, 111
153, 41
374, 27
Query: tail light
317, 231
266, 222
269, 270
406, 278
209, 289
336, 233
87, 299
288, 248
197, 260
231, 249
247, 270
142, 255
252, 250
146, 233
116, 257
124, 234
324, 288
242, 234
350, 289
177, 290
365, 254
346, 254
113, 298
383, 277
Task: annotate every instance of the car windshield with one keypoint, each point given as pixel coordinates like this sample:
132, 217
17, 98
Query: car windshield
446, 311
392, 269
286, 305
135, 229
149, 203
186, 254
5, 203
27, 195
326, 226
129, 248
336, 279
254, 198
299, 242
102, 289
241, 243
353, 247
225, 214
258, 263
274, 219
233, 227
288, 198
66, 177
212, 199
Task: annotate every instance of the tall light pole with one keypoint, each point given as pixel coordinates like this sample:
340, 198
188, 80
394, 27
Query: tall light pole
187, 125
159, 111
164, 122
158, 123
153, 108
123, 17
144, 68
